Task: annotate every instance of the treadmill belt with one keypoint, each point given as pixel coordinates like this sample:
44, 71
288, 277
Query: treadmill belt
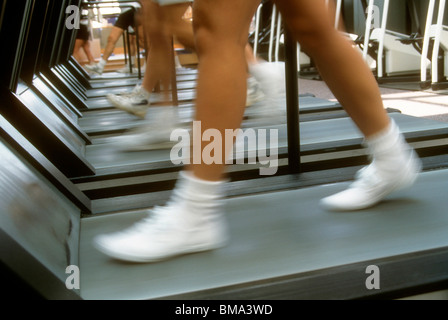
316, 136
98, 100
115, 83
102, 116
282, 234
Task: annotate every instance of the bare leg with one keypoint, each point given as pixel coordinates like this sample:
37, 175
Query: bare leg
164, 22
395, 165
181, 29
114, 36
193, 219
221, 29
159, 63
342, 67
76, 49
86, 47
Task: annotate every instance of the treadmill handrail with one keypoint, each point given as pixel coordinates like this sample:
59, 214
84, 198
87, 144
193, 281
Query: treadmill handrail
435, 50
380, 67
426, 40
368, 27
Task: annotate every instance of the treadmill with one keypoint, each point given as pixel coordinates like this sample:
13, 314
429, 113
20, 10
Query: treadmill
59, 190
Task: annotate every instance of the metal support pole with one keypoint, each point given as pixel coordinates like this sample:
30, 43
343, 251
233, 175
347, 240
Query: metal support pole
174, 95
137, 42
125, 47
128, 43
292, 103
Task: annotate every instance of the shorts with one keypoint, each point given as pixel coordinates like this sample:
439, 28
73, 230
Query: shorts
83, 32
126, 19
168, 2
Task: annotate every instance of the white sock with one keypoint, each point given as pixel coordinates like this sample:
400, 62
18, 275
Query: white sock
197, 189
102, 63
203, 200
388, 148
145, 92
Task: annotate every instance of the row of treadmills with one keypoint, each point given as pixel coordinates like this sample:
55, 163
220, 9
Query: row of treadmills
63, 180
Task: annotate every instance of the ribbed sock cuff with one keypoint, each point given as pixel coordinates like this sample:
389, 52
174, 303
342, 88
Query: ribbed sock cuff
199, 189
386, 140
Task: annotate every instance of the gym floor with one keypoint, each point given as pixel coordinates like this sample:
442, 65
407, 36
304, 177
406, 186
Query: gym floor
426, 104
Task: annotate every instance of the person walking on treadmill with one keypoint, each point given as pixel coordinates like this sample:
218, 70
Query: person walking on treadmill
164, 19
127, 20
193, 220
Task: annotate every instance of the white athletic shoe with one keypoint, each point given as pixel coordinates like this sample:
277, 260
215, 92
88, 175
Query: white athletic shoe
393, 168
96, 68
137, 89
127, 70
254, 92
370, 187
153, 134
271, 77
193, 221
270, 82
135, 102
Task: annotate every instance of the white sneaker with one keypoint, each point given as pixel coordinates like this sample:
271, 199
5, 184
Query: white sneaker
127, 70
389, 171
137, 90
153, 134
135, 102
271, 77
96, 68
270, 80
163, 234
370, 187
254, 92
187, 224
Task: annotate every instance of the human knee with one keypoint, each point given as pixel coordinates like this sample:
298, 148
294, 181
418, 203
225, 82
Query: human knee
173, 14
156, 31
203, 36
313, 36
114, 35
212, 37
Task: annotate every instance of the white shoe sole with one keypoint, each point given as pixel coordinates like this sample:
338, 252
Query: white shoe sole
332, 203
100, 246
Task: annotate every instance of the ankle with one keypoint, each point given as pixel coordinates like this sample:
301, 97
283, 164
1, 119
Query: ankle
102, 62
200, 189
388, 141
